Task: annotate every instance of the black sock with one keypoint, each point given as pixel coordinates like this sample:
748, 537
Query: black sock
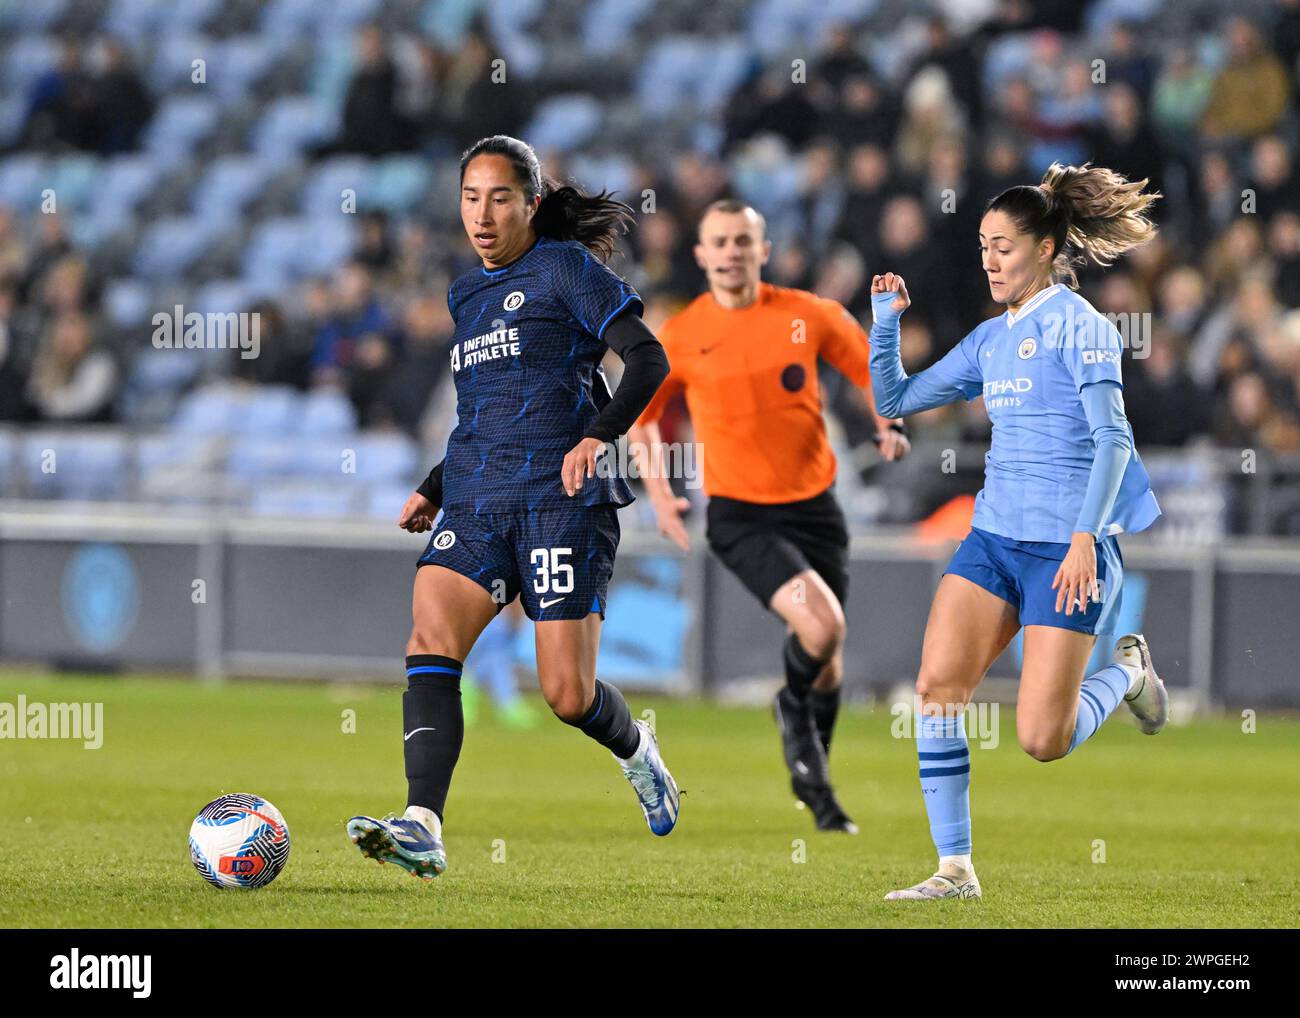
825, 706
609, 722
801, 668
433, 728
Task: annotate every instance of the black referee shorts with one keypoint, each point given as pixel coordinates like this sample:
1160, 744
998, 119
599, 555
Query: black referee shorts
767, 545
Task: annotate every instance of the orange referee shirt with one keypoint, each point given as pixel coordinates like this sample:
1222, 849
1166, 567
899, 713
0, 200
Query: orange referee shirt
750, 378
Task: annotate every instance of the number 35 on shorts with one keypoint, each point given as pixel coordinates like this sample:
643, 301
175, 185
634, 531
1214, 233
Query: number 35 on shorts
552, 572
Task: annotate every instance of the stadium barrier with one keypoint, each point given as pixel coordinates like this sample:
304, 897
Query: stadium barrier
93, 586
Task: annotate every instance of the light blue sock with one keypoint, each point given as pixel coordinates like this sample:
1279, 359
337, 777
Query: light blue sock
945, 782
1099, 695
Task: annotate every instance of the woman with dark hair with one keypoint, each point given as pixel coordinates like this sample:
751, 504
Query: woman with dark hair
527, 509
1061, 480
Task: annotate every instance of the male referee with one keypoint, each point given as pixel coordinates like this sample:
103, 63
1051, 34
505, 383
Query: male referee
745, 354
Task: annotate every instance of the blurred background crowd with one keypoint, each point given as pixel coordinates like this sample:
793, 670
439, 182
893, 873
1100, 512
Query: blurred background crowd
299, 160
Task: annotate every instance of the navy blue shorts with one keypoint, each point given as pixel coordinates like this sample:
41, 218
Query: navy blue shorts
1021, 573
556, 561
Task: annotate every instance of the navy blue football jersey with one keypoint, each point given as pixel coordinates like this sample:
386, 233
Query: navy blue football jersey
525, 360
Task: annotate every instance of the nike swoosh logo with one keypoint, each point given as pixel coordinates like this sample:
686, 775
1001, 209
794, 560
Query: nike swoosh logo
546, 604
407, 736
706, 349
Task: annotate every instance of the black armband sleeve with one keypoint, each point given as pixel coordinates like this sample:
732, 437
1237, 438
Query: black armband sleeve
645, 368
431, 486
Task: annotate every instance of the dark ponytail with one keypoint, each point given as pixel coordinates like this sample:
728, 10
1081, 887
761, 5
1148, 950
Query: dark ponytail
564, 213
1090, 212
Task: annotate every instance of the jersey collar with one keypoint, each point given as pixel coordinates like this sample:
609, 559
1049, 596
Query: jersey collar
1032, 303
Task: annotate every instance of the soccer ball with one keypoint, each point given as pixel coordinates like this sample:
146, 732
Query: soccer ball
239, 841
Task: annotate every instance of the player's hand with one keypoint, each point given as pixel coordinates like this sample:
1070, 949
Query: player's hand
893, 444
418, 514
891, 283
668, 512
1077, 577
580, 464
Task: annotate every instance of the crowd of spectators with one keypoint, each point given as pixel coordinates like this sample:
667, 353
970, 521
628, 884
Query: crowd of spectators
889, 164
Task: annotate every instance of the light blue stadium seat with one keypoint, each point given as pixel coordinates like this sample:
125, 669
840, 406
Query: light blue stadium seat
290, 125
729, 63
87, 465
608, 24
127, 302
170, 449
271, 410
397, 184
322, 192
564, 122
668, 79
121, 184
304, 500
210, 410
135, 19
386, 456
384, 500
374, 457
1006, 57
172, 66
16, 16
252, 457
28, 57
221, 296
273, 251
446, 22
245, 59
229, 184
189, 16
169, 246
326, 412
179, 124
612, 171
22, 178
330, 240
323, 456
292, 19
74, 178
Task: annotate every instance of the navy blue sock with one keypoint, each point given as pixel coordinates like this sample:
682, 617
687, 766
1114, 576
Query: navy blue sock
433, 728
609, 722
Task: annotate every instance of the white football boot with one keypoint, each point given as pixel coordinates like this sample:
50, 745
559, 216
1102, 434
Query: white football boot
951, 881
1147, 697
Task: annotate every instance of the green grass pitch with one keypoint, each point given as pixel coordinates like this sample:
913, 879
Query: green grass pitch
1201, 825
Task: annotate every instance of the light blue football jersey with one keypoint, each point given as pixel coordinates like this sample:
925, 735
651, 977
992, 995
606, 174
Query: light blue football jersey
1030, 368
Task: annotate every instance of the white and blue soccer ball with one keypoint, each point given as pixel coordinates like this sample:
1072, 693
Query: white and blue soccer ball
239, 841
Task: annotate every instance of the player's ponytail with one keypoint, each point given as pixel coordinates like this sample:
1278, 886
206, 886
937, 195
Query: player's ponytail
1090, 212
564, 213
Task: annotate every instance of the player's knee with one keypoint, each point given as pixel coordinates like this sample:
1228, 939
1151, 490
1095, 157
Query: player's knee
940, 691
821, 630
568, 702
425, 641
1044, 746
